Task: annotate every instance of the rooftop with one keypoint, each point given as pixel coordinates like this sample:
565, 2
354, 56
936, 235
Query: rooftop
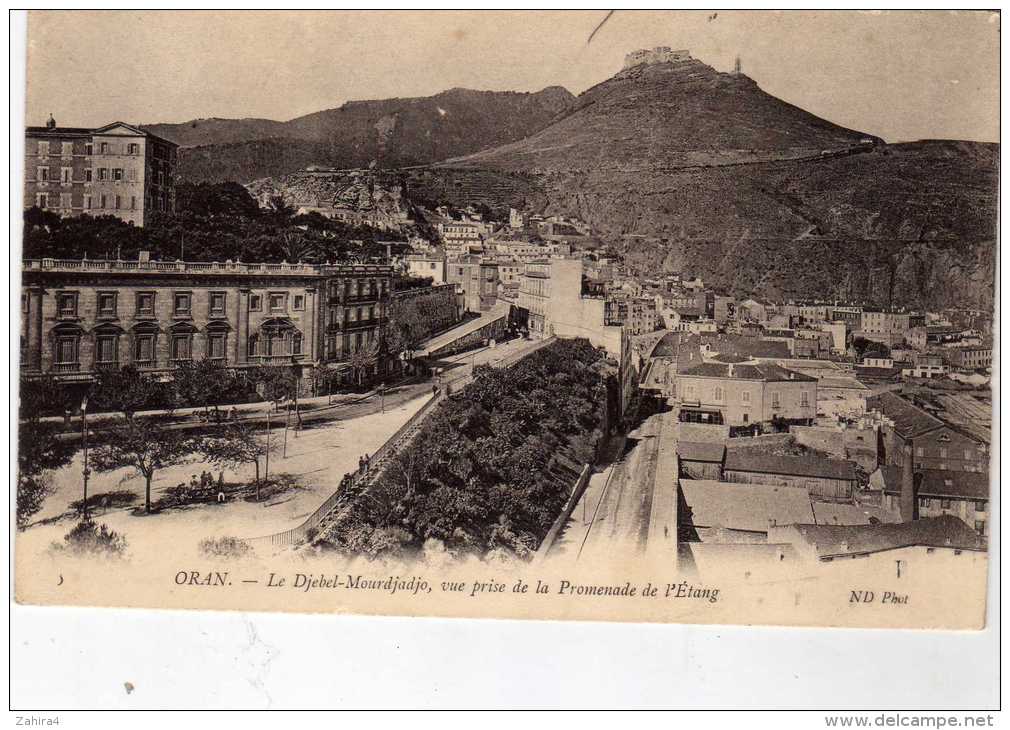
701, 451
766, 371
196, 267
801, 466
749, 507
831, 513
909, 420
55, 131
945, 531
941, 483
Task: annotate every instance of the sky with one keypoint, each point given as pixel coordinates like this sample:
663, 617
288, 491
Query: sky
899, 75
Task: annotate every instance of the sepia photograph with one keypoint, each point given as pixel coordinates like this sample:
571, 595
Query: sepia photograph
678, 317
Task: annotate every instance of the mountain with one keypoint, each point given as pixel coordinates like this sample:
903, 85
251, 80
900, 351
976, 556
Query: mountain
217, 131
676, 114
389, 132
683, 168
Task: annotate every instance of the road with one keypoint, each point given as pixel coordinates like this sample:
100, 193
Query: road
453, 367
614, 515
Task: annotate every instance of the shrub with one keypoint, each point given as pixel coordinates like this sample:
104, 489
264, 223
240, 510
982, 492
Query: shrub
89, 538
228, 548
120, 498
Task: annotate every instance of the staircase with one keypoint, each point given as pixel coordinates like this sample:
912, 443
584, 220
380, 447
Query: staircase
360, 481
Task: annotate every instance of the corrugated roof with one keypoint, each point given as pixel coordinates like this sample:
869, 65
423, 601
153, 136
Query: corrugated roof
750, 507
831, 513
802, 466
945, 531
701, 451
909, 420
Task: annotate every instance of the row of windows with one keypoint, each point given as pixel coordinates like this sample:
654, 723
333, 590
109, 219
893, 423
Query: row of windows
980, 506
104, 148
969, 454
359, 288
67, 350
719, 396
102, 174
351, 343
67, 303
356, 314
103, 202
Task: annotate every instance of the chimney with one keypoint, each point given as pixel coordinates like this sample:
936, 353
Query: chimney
51, 124
909, 503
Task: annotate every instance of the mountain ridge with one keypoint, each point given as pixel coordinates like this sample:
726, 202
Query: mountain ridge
390, 132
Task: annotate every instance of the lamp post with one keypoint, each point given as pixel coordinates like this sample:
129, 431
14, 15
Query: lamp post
382, 397
84, 438
266, 466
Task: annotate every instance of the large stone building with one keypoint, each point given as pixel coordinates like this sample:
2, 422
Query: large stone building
117, 170
887, 327
82, 317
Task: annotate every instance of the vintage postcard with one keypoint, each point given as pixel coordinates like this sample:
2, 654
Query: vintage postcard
625, 316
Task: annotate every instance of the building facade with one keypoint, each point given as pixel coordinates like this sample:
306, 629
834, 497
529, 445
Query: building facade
964, 495
117, 170
477, 280
934, 443
888, 328
431, 266
81, 317
744, 393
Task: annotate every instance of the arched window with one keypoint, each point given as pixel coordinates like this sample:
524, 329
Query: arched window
253, 345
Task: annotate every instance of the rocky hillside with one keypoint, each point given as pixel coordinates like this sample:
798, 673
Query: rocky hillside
684, 168
374, 197
390, 132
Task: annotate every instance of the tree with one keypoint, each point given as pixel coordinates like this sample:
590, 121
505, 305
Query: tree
363, 359
274, 383
204, 383
144, 446
40, 449
126, 390
240, 443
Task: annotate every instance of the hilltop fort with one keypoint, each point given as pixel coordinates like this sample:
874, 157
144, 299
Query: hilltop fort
659, 54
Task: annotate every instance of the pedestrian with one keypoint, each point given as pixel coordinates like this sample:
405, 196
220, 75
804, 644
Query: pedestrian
367, 460
361, 463
233, 414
